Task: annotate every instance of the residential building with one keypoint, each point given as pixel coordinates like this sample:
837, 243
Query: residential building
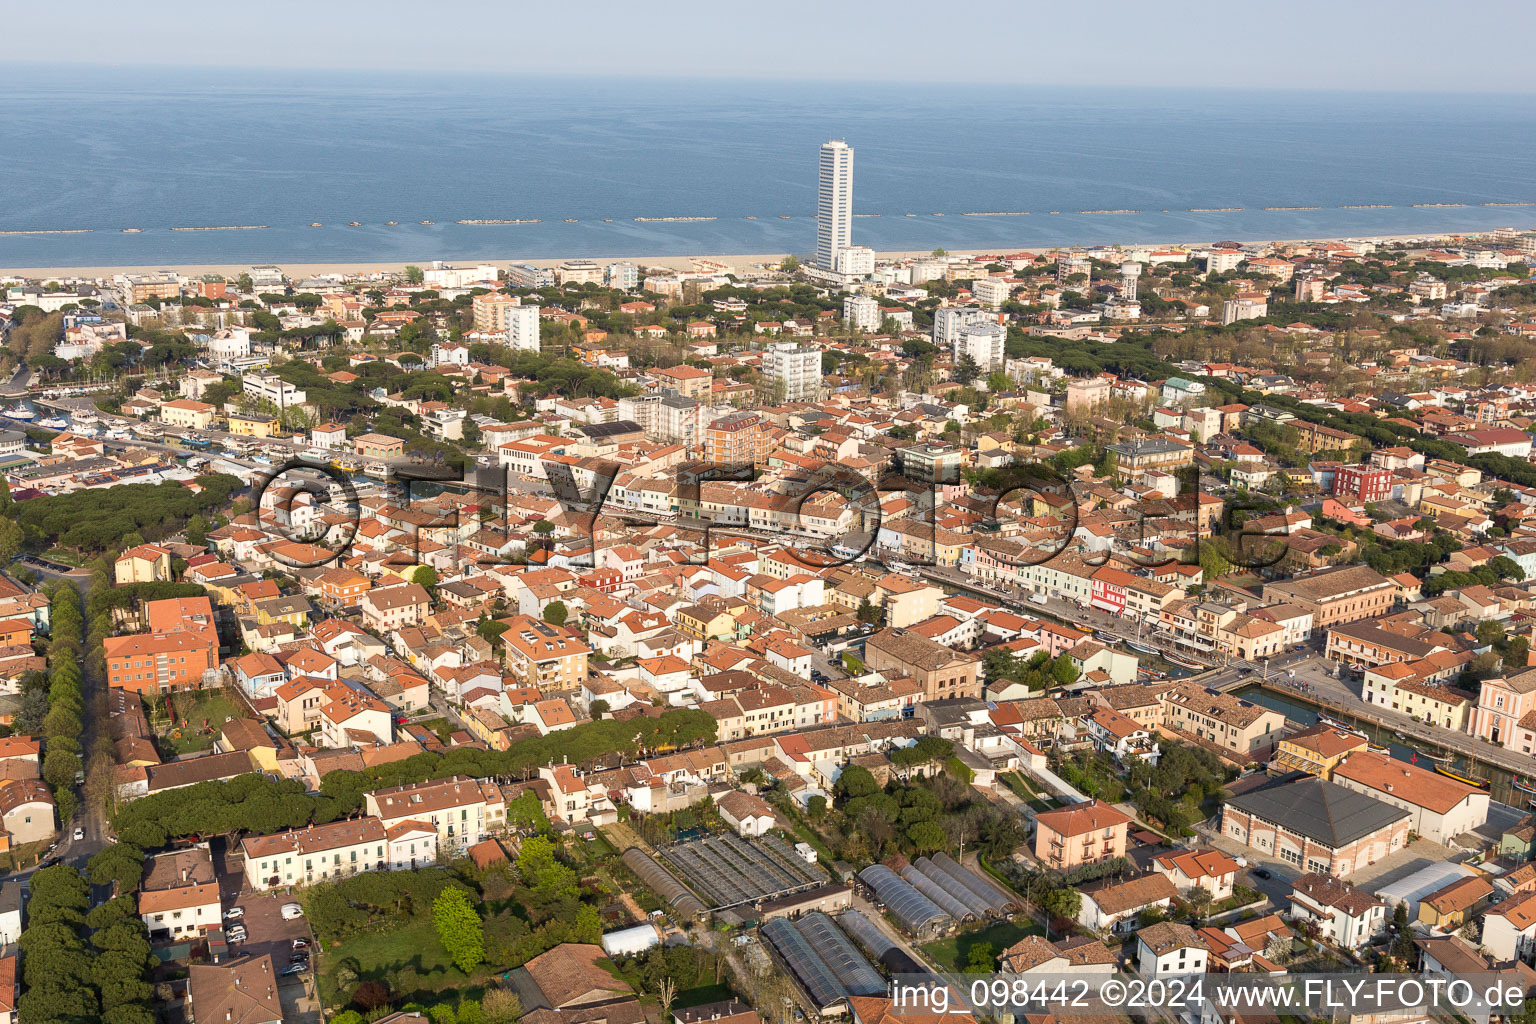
543, 656
861, 313
389, 608
319, 853
1072, 836
1169, 949
160, 662
942, 671
143, 563
795, 368
462, 810
179, 895
982, 343
240, 992
1345, 916
1337, 595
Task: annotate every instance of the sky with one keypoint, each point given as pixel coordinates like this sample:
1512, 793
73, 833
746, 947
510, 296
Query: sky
1370, 45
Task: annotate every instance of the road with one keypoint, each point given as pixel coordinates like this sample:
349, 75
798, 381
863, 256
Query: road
91, 818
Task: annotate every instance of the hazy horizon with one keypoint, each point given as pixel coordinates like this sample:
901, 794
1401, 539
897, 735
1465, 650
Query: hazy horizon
1309, 46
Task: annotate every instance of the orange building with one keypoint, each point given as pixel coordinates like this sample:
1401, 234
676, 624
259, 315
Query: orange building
160, 662
1070, 837
181, 645
740, 439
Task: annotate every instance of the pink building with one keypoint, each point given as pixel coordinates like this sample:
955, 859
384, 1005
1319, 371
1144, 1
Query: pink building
1506, 712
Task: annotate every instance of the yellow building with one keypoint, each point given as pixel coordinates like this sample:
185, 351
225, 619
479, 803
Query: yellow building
908, 601
252, 424
703, 623
146, 563
292, 610
1318, 750
1448, 907
186, 414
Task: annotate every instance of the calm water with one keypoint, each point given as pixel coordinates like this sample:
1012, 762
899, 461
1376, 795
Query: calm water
1304, 714
108, 149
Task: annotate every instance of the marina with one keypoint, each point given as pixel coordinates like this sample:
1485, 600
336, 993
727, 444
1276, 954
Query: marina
1306, 711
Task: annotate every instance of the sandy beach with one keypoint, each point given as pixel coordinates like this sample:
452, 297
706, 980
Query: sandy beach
738, 260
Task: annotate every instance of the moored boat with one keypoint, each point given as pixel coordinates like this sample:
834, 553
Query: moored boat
1470, 780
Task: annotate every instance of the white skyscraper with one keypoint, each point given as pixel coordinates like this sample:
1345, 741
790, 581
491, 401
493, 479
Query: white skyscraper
834, 203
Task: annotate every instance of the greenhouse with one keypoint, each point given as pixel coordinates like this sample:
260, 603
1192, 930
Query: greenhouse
811, 974
661, 881
728, 871
1000, 901
878, 944
955, 906
856, 974
914, 912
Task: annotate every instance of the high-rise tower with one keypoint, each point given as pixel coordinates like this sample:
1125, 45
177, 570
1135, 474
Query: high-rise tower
834, 202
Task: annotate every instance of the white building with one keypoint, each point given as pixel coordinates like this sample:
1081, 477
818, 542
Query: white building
449, 354
991, 292
268, 388
580, 272
224, 347
798, 367
1244, 307
983, 341
523, 328
1442, 808
855, 261
303, 856
1345, 916
861, 313
834, 203
1219, 261
947, 321
1509, 929
623, 275
1170, 950
463, 810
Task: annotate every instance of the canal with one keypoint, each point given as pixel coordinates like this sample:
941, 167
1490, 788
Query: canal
1296, 708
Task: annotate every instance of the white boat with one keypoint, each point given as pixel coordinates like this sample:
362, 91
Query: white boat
54, 423
378, 470
315, 456
20, 412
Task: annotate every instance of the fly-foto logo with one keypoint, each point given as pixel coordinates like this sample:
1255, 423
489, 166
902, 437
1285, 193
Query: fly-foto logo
829, 516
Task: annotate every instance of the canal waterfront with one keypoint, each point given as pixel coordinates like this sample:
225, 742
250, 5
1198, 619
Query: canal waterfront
1298, 708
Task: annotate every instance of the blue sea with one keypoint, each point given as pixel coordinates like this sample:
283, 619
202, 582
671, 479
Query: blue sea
112, 148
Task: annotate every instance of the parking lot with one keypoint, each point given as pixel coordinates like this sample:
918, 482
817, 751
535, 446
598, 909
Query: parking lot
267, 932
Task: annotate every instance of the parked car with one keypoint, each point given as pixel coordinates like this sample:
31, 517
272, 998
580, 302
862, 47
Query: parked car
299, 958
291, 911
236, 933
293, 969
79, 834
1260, 873
234, 913
300, 943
